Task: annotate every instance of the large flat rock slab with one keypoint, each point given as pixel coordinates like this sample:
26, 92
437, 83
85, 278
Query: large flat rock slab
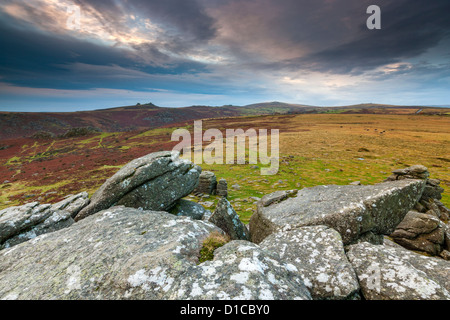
353, 211
126, 253
318, 254
241, 270
119, 253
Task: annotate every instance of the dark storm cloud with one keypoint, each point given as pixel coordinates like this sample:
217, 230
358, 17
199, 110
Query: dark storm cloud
38, 59
330, 36
409, 29
325, 36
29, 57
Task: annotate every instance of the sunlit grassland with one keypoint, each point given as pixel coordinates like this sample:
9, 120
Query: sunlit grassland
339, 149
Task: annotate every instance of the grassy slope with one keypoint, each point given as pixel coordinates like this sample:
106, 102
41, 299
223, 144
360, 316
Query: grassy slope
314, 149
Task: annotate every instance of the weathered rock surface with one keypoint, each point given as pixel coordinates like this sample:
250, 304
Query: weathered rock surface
422, 232
120, 253
351, 210
241, 270
424, 228
22, 223
186, 208
318, 255
394, 273
73, 203
228, 220
153, 182
126, 253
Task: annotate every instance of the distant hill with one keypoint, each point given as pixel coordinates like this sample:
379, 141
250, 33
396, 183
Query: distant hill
25, 124
147, 116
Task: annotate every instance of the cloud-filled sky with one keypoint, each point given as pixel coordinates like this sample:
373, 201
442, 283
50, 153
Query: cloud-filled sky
178, 53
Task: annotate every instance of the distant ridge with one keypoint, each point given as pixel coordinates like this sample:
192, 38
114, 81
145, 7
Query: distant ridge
440, 106
147, 116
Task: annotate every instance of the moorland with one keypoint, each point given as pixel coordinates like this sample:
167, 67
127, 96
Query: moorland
317, 146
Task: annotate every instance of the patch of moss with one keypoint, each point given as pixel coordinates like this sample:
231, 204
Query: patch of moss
214, 241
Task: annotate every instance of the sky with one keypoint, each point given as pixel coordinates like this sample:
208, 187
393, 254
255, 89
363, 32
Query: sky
177, 53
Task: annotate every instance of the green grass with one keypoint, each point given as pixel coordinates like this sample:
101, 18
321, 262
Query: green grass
12, 160
153, 133
214, 241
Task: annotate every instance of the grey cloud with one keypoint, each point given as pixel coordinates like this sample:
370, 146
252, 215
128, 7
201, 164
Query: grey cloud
329, 36
409, 29
185, 17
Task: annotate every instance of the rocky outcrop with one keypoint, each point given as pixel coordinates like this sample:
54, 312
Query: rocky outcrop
119, 253
326, 242
353, 211
394, 273
228, 220
22, 223
124, 253
423, 229
317, 253
153, 182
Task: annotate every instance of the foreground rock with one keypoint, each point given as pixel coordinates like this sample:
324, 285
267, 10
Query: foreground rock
228, 220
356, 212
121, 253
241, 270
318, 255
126, 253
22, 223
153, 182
394, 273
